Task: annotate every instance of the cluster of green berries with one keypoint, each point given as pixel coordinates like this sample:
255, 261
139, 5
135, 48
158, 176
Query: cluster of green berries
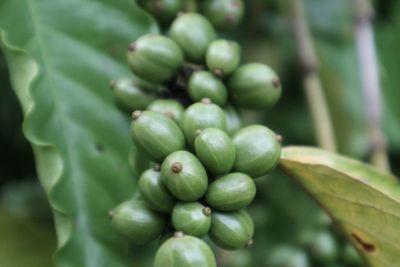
223, 14
185, 122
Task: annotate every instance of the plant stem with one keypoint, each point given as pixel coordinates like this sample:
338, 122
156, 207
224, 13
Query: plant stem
370, 82
311, 80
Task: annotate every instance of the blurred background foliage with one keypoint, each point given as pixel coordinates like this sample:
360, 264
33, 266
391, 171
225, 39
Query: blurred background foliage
286, 218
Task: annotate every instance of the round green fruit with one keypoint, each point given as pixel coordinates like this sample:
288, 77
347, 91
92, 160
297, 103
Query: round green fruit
216, 150
192, 218
193, 33
233, 120
287, 256
323, 248
157, 134
231, 192
154, 192
154, 58
136, 221
184, 251
200, 116
257, 150
184, 176
231, 230
169, 107
223, 14
223, 57
163, 10
254, 86
203, 84
129, 95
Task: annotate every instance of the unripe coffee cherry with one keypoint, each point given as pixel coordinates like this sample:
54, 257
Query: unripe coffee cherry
129, 94
157, 134
184, 176
216, 150
200, 116
163, 10
254, 86
257, 150
154, 58
154, 192
231, 230
192, 218
203, 84
231, 192
193, 33
136, 221
233, 120
223, 57
287, 256
323, 248
184, 251
169, 107
223, 14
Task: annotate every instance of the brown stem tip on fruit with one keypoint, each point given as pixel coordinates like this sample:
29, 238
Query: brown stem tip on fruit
206, 101
207, 211
198, 132
169, 115
279, 138
249, 243
110, 214
157, 167
179, 234
276, 83
176, 167
219, 73
136, 114
131, 47
112, 84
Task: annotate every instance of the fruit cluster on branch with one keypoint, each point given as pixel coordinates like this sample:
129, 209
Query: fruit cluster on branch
184, 97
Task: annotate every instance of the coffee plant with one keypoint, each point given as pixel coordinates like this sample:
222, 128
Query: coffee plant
183, 161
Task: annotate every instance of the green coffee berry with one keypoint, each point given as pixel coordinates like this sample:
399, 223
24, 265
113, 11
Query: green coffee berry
223, 14
215, 150
184, 251
184, 176
153, 191
231, 230
157, 134
323, 248
223, 57
163, 10
193, 33
129, 95
203, 84
231, 192
136, 221
154, 58
287, 256
169, 107
192, 218
351, 257
254, 86
257, 150
233, 120
200, 116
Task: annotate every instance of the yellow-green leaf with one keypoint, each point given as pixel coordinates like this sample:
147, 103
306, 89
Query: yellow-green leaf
363, 201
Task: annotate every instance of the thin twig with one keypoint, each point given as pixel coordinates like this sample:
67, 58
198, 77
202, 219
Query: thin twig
370, 82
311, 80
